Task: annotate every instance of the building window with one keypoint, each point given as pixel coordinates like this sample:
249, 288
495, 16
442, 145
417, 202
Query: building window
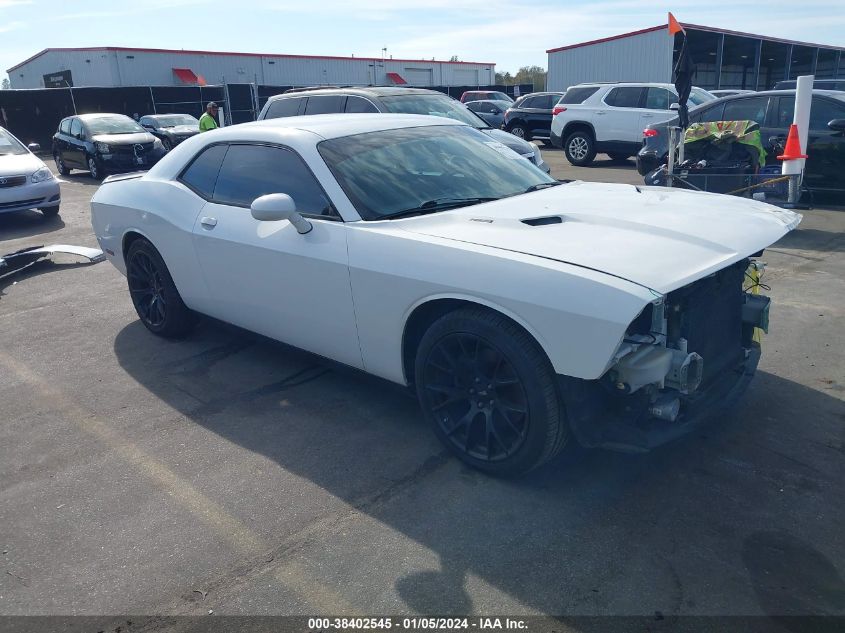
738, 67
772, 64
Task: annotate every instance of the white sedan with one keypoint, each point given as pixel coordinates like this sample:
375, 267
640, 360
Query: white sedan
25, 181
524, 312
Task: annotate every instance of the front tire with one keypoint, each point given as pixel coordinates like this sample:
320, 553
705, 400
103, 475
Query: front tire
489, 391
94, 168
154, 295
580, 148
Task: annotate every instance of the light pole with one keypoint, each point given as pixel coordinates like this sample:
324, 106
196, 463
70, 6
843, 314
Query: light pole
383, 55
72, 100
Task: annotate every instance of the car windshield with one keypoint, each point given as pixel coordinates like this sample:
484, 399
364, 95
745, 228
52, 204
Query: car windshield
172, 120
112, 125
697, 96
9, 145
425, 169
433, 105
499, 96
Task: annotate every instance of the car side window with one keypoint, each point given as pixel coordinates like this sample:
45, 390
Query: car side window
325, 104
201, 174
64, 127
547, 102
710, 114
530, 102
283, 107
76, 128
823, 112
359, 104
251, 171
784, 110
657, 99
624, 97
751, 109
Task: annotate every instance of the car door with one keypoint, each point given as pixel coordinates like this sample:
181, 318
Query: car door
825, 166
539, 117
618, 121
74, 156
265, 276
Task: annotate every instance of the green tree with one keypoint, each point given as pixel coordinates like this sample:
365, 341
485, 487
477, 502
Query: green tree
504, 79
5, 85
534, 75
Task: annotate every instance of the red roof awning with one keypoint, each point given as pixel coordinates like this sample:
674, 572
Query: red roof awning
396, 78
188, 76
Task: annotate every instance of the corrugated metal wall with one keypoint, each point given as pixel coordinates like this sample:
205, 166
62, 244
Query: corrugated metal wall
642, 57
146, 68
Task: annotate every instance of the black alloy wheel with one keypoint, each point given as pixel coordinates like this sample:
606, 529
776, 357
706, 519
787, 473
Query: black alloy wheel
154, 294
479, 401
490, 392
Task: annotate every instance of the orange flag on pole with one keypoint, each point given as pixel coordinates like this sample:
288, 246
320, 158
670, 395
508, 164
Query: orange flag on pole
674, 25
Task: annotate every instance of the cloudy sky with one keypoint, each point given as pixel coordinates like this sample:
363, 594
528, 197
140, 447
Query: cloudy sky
511, 33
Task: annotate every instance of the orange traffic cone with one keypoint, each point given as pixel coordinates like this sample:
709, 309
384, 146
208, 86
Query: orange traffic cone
793, 145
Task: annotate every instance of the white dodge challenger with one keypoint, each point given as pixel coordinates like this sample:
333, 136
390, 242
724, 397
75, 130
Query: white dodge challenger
524, 312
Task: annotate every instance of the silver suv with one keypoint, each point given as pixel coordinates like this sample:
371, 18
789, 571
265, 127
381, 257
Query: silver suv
396, 101
610, 117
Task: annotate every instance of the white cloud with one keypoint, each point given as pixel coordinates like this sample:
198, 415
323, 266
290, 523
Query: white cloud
11, 26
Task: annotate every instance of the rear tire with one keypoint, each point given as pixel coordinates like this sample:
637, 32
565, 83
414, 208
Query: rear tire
580, 148
60, 164
50, 212
154, 295
490, 392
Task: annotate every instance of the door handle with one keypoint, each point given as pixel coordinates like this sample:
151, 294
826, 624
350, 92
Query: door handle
208, 223
600, 112
647, 116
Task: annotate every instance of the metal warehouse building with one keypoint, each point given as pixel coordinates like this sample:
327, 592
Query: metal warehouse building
116, 66
724, 59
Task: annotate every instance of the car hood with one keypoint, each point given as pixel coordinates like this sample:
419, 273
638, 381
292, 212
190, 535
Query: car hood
124, 139
181, 129
19, 164
515, 143
656, 237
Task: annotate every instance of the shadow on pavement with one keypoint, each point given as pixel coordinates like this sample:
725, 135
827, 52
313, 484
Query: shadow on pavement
689, 526
20, 224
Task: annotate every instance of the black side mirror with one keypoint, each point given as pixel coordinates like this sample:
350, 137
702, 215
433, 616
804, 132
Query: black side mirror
837, 125
34, 147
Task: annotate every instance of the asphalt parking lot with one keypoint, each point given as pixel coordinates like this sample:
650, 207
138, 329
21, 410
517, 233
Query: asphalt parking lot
229, 474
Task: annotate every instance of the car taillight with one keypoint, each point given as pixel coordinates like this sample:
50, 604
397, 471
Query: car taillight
557, 110
648, 133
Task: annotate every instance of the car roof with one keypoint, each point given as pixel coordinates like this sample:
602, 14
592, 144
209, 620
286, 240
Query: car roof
101, 115
367, 91
158, 116
337, 125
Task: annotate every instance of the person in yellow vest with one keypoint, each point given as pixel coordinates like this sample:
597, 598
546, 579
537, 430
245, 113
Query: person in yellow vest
207, 120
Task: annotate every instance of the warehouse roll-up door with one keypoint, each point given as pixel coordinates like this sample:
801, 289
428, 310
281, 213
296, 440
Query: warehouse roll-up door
418, 76
465, 77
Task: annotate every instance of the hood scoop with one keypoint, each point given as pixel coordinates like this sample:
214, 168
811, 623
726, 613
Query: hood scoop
549, 219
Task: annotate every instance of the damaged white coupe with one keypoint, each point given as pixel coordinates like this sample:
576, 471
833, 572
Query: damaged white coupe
525, 313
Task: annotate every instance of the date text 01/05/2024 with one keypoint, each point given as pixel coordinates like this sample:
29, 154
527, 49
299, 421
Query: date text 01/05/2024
416, 623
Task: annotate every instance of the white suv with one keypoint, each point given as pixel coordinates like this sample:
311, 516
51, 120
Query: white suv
610, 117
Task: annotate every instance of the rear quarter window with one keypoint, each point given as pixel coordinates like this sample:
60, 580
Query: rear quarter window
279, 108
201, 174
578, 95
